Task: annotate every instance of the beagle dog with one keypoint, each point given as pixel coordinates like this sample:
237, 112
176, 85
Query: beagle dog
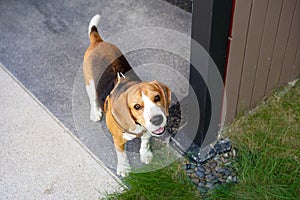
132, 108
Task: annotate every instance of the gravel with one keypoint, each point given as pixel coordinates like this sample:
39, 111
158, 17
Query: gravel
209, 168
210, 171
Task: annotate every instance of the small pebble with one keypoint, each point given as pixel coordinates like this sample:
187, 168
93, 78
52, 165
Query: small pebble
200, 169
214, 169
190, 171
200, 174
221, 170
222, 181
233, 153
212, 165
216, 180
217, 168
201, 184
186, 166
210, 177
202, 189
227, 172
207, 170
219, 175
209, 186
193, 166
229, 179
194, 176
195, 181
234, 179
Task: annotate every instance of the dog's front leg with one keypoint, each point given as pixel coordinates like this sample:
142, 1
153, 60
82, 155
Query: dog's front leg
123, 166
145, 152
96, 112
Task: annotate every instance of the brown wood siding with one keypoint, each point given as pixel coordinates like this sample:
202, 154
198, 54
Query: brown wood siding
236, 56
264, 51
296, 65
291, 50
267, 46
253, 45
281, 43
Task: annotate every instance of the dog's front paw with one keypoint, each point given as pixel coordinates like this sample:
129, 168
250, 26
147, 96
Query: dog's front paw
146, 156
96, 114
123, 170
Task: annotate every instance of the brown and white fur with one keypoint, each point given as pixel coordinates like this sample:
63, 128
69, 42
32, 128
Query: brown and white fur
132, 108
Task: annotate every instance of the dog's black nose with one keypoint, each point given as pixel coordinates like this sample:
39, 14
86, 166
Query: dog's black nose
157, 120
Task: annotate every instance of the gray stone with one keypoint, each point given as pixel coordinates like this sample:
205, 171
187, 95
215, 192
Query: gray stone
186, 166
212, 165
229, 179
194, 176
200, 174
234, 153
227, 172
217, 168
219, 175
210, 177
210, 186
207, 170
195, 181
216, 180
221, 170
200, 169
202, 189
234, 179
192, 166
222, 181
201, 184
222, 145
190, 171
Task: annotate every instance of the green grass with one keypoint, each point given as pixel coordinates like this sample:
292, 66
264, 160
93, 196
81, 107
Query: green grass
166, 183
163, 178
268, 143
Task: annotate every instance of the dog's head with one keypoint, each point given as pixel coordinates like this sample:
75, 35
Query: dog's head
145, 104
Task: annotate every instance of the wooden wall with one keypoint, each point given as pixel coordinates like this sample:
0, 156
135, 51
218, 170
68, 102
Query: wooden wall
264, 51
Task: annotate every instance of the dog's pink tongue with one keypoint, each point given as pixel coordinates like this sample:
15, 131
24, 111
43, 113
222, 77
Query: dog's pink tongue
160, 130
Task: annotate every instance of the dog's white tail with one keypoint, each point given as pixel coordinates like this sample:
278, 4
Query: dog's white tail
94, 23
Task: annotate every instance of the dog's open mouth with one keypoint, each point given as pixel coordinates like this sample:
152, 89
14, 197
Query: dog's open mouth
159, 131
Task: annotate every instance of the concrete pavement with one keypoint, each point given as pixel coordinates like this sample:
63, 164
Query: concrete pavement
39, 158
42, 44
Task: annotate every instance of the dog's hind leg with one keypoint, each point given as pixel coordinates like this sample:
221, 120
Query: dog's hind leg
95, 112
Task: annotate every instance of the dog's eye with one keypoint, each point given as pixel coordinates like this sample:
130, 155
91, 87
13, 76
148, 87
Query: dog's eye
137, 106
156, 98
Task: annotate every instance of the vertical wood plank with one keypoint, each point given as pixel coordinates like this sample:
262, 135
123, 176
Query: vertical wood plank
281, 43
266, 50
254, 39
296, 65
291, 49
240, 23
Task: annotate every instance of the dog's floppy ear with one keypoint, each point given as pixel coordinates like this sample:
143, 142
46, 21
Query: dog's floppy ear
166, 92
120, 111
